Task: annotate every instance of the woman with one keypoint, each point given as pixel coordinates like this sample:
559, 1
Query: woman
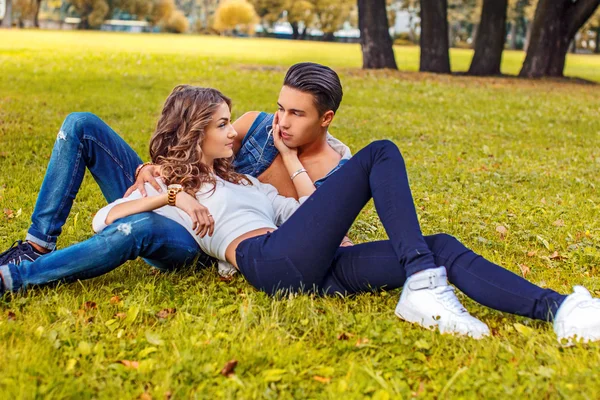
279, 243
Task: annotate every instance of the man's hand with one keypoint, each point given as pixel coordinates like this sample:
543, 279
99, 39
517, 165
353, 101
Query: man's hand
283, 149
148, 173
202, 220
346, 242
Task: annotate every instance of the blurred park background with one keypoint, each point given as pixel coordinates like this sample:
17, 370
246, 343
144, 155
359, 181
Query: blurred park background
509, 165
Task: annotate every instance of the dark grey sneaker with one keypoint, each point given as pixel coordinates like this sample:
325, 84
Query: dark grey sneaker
19, 251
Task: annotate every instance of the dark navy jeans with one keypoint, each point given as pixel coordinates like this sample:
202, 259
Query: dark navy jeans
304, 252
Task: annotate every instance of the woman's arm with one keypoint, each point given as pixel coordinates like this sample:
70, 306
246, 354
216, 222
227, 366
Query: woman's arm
135, 207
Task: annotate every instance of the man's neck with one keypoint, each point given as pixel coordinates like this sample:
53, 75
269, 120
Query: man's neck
315, 148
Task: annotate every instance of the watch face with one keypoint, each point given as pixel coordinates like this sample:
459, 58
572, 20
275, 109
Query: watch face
175, 186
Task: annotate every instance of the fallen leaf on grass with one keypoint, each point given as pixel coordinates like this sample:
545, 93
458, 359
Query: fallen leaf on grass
11, 316
115, 300
361, 342
501, 229
344, 336
89, 305
523, 330
145, 396
166, 313
524, 269
556, 256
229, 368
9, 213
321, 379
559, 222
531, 253
130, 364
226, 278
121, 315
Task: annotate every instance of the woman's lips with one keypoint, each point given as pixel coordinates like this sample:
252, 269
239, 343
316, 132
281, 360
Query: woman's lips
285, 135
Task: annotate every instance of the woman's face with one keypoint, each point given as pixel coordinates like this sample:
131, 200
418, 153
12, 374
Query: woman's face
218, 136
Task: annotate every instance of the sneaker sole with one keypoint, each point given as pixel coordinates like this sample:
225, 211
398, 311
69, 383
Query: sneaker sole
413, 318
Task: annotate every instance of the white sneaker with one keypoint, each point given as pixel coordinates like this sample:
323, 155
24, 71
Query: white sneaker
578, 318
429, 301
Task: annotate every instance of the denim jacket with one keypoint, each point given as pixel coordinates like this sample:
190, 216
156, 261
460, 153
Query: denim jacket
258, 149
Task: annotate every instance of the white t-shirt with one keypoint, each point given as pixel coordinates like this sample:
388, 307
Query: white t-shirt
236, 210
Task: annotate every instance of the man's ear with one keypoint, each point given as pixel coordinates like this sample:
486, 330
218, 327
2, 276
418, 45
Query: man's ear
327, 118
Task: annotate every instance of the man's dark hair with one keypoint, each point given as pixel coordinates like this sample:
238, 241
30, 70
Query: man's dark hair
320, 81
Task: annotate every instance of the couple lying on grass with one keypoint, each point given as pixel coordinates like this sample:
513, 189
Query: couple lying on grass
200, 197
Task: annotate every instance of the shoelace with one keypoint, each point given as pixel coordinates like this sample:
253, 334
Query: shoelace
446, 295
14, 252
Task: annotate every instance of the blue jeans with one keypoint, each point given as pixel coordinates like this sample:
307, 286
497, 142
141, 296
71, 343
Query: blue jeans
141, 235
304, 252
85, 141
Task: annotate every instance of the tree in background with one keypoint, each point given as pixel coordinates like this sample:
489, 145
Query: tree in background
435, 56
375, 39
23, 10
489, 42
235, 14
413, 8
463, 21
555, 24
299, 12
91, 12
7, 20
330, 15
268, 11
593, 25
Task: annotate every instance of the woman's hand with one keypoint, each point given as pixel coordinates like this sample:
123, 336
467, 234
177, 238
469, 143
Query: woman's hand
283, 149
148, 173
202, 220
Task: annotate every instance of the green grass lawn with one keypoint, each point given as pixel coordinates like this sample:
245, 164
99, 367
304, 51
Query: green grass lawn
481, 153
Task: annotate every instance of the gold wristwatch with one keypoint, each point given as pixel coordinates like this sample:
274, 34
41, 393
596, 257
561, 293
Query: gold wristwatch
172, 193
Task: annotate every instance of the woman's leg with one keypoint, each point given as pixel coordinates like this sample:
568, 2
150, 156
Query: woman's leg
83, 141
165, 244
308, 241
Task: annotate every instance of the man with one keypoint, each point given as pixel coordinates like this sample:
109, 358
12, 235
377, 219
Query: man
310, 96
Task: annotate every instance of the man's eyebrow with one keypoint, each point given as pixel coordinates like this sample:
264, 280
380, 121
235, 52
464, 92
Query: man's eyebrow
292, 109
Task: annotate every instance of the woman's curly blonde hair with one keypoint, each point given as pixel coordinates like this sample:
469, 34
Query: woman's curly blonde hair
177, 140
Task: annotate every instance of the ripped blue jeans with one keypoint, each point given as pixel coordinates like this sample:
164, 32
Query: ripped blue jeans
83, 142
142, 235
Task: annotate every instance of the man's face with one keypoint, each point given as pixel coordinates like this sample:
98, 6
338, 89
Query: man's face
299, 119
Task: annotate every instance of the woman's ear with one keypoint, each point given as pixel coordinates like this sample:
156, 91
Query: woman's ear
327, 118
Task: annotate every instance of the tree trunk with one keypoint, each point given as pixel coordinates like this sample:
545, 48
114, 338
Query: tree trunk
554, 26
597, 49
304, 32
7, 20
295, 33
328, 36
527, 36
513, 35
490, 39
36, 14
375, 40
435, 56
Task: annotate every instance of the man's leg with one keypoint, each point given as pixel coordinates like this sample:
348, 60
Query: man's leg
83, 140
164, 243
374, 266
